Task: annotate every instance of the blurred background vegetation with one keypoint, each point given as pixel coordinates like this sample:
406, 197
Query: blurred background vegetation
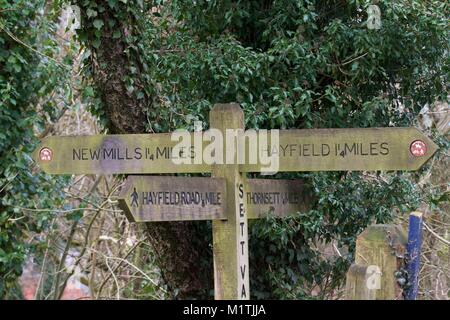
117, 66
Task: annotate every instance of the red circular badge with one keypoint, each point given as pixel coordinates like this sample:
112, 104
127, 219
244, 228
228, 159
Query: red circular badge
45, 154
418, 148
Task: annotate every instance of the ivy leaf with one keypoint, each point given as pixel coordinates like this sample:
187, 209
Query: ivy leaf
98, 24
112, 3
96, 43
91, 13
88, 92
116, 34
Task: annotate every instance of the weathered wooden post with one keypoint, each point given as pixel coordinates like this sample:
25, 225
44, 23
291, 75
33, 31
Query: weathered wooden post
230, 237
413, 254
357, 279
379, 254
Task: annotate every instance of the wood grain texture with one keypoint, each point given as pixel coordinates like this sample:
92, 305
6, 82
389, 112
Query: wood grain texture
347, 150
356, 284
298, 150
112, 154
383, 246
277, 197
231, 267
163, 198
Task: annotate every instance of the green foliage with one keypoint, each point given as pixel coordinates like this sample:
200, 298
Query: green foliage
290, 64
292, 246
296, 63
28, 79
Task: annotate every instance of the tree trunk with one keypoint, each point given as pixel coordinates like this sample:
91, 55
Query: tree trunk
182, 248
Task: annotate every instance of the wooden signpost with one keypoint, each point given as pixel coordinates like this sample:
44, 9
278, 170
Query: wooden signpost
275, 197
158, 198
230, 237
351, 150
162, 198
228, 198
298, 150
111, 154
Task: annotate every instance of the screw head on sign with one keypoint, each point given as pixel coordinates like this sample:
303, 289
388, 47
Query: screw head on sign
46, 154
418, 148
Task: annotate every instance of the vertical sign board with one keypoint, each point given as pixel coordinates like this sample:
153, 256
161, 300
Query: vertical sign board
230, 237
413, 253
243, 285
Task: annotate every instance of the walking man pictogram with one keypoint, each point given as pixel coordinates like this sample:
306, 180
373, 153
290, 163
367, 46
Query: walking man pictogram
134, 198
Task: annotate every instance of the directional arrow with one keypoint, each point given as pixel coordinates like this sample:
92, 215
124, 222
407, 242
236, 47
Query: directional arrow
112, 154
349, 150
164, 198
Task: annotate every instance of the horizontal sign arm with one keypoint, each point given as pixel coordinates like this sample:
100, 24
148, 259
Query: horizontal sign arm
257, 151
